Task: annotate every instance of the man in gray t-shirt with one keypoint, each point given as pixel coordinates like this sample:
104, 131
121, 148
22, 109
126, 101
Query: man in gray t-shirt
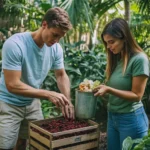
26, 60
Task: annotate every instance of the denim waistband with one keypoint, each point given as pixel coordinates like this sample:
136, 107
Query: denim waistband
137, 111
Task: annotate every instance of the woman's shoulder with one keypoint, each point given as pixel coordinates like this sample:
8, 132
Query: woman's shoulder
141, 56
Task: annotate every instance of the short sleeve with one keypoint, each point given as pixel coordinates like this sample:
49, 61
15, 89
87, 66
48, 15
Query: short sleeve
11, 56
140, 65
59, 59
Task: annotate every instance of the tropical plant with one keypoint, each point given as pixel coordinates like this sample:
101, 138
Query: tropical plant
139, 144
79, 65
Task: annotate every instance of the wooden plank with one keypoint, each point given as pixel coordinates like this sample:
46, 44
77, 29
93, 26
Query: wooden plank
40, 138
92, 122
32, 148
40, 129
74, 139
84, 146
37, 145
74, 130
39, 122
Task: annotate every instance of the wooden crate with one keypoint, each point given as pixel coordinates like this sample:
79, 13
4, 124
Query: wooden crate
44, 140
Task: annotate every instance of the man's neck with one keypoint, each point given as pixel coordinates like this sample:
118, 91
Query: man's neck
36, 35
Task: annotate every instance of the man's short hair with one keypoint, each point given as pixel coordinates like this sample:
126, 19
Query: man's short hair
57, 17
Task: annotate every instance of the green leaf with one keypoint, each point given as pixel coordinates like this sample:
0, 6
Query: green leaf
127, 144
55, 113
71, 69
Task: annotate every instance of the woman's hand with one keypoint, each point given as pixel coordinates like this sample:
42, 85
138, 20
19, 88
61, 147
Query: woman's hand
101, 90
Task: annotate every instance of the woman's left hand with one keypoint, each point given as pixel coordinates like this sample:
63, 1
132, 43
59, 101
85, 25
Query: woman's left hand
101, 90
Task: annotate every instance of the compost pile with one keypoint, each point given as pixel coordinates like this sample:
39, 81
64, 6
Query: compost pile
60, 125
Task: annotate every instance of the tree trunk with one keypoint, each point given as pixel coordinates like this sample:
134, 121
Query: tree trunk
127, 10
1, 3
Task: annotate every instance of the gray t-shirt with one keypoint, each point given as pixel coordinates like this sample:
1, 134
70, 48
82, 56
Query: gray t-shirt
20, 52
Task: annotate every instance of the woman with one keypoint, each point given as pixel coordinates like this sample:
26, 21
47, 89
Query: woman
127, 73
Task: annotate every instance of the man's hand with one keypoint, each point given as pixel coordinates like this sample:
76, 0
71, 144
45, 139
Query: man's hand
58, 99
68, 111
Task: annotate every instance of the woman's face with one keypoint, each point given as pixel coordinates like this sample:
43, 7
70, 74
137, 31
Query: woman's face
113, 44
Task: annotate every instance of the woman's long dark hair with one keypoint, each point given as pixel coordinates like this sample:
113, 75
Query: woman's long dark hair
119, 29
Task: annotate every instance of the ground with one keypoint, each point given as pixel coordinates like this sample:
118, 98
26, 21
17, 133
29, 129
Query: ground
101, 118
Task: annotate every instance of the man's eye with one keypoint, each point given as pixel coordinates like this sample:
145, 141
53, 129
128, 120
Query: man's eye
55, 35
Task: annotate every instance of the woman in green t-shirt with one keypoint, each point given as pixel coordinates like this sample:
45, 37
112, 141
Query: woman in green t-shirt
127, 73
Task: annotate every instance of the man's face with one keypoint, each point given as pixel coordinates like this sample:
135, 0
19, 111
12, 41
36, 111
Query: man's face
51, 36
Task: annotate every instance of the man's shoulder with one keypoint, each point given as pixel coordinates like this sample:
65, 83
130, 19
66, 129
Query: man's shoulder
56, 46
19, 36
18, 39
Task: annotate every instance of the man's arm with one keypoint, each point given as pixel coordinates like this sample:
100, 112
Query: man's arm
16, 86
63, 84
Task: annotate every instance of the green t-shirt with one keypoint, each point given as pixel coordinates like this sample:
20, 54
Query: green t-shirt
138, 65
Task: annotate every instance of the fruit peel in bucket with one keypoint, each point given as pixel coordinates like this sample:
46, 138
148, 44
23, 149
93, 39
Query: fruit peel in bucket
88, 85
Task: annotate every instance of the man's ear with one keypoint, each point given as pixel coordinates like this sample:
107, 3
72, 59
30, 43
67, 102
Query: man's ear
44, 24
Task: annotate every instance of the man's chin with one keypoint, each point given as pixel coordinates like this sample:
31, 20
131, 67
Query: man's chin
49, 45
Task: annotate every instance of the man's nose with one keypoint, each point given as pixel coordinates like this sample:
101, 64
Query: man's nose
57, 40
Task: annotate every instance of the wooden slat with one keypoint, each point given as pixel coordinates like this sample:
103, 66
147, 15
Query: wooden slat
40, 138
32, 148
75, 130
37, 145
39, 122
85, 146
92, 122
74, 139
40, 129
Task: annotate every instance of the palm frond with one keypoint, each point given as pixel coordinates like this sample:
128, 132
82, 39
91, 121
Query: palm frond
144, 6
78, 9
101, 7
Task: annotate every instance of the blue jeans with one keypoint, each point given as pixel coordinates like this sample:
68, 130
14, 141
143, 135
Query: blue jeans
120, 126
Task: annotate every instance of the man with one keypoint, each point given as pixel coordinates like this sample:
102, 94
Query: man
26, 60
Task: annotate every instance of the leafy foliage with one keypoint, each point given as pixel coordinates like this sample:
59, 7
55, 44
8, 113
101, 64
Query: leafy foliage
80, 65
49, 110
140, 28
24, 13
141, 144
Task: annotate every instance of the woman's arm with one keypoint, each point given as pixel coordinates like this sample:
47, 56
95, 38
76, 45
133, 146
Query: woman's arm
135, 95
